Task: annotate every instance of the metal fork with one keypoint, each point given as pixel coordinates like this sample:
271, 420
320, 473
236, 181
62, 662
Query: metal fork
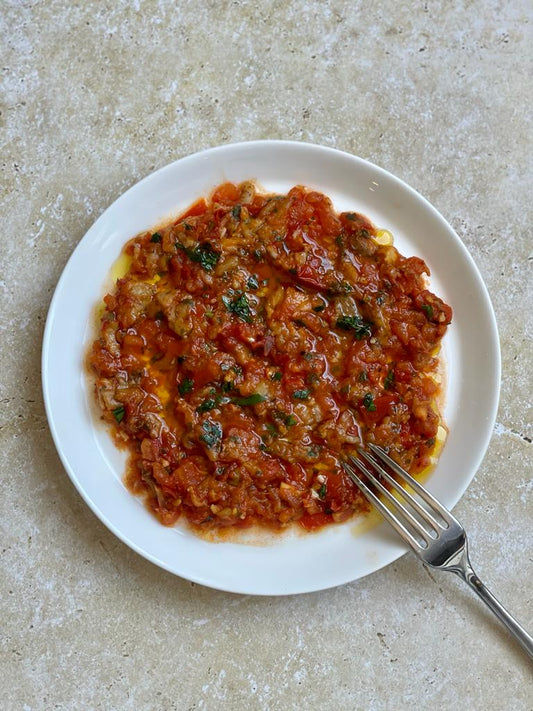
427, 526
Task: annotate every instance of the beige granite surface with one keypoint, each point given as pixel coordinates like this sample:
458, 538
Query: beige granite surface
96, 95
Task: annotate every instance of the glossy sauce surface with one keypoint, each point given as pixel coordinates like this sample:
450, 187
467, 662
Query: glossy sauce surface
254, 342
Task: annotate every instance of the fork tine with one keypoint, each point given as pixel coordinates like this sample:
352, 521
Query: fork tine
413, 522
423, 513
420, 490
386, 513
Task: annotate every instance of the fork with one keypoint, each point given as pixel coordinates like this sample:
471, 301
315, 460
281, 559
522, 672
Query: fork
426, 525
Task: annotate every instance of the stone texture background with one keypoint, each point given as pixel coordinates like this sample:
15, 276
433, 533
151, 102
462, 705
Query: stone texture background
96, 95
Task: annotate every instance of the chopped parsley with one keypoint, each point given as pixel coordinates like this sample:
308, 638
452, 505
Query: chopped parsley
119, 412
389, 380
254, 399
185, 386
363, 377
211, 433
203, 254
156, 237
272, 429
276, 376
252, 283
289, 420
322, 492
236, 212
428, 310
368, 402
301, 394
355, 324
430, 442
319, 308
239, 306
206, 405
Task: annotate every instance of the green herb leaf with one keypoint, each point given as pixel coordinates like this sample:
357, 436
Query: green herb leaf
290, 421
428, 310
319, 308
254, 399
206, 405
322, 492
156, 237
356, 324
206, 256
258, 255
236, 212
185, 386
211, 433
368, 402
301, 394
203, 254
238, 306
389, 380
272, 429
276, 376
430, 442
252, 283
363, 377
119, 412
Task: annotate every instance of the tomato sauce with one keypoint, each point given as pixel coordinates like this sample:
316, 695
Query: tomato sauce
255, 342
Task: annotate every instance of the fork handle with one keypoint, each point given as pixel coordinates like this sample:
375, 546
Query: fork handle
514, 627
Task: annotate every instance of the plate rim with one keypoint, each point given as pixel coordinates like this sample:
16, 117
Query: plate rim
220, 150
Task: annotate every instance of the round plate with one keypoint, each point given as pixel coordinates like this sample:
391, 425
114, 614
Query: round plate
294, 564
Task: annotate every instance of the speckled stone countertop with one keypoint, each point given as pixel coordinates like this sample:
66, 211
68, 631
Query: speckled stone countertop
96, 95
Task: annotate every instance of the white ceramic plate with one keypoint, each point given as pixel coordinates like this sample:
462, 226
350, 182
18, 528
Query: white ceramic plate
298, 564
